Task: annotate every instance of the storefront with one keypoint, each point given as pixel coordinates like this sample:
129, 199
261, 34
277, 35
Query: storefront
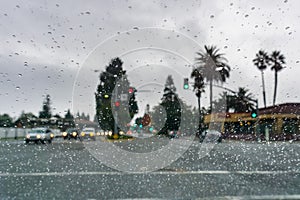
282, 119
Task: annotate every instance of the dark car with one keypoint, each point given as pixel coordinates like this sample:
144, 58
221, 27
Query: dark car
71, 133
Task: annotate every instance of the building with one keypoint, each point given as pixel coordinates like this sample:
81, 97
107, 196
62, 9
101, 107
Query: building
277, 121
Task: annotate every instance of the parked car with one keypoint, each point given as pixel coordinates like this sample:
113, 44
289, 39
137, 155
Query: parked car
89, 133
39, 135
71, 133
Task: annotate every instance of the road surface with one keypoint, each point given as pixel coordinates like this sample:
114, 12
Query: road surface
67, 170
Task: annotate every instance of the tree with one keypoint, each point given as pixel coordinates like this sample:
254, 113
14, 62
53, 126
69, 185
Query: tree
113, 74
133, 107
26, 120
68, 115
213, 66
261, 61
241, 101
170, 102
277, 60
6, 120
224, 102
158, 117
198, 87
46, 110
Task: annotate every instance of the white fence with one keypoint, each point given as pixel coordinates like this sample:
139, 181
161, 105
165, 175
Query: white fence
19, 132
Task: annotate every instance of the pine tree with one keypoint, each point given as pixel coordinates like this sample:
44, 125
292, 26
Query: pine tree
46, 111
113, 74
171, 104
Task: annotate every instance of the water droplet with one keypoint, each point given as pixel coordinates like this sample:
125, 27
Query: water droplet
20, 75
18, 87
212, 16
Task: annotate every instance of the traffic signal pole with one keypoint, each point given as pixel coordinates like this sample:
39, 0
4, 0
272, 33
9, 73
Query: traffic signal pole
116, 112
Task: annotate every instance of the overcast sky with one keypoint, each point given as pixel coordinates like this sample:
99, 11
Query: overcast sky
45, 45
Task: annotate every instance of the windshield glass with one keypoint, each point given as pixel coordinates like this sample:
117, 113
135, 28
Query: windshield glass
159, 99
37, 131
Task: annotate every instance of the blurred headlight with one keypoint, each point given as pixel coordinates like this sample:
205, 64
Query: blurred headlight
27, 136
92, 134
38, 136
109, 133
74, 134
52, 135
98, 133
64, 134
121, 132
83, 134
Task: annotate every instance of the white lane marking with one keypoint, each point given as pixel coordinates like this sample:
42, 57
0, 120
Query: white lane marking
151, 173
255, 197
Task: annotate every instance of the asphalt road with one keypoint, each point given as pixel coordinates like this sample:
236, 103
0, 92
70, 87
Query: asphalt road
68, 170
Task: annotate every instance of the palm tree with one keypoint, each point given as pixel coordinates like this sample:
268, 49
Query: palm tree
198, 88
243, 101
213, 66
277, 61
261, 62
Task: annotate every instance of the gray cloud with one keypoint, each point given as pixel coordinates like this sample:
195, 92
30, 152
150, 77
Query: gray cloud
60, 35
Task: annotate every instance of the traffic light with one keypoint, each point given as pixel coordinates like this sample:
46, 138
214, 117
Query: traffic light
186, 83
106, 96
254, 114
130, 90
117, 105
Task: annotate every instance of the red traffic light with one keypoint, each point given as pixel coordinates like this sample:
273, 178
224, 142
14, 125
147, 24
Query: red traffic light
117, 103
130, 90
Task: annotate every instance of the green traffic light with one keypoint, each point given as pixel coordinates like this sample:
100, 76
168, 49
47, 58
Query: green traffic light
186, 83
253, 115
